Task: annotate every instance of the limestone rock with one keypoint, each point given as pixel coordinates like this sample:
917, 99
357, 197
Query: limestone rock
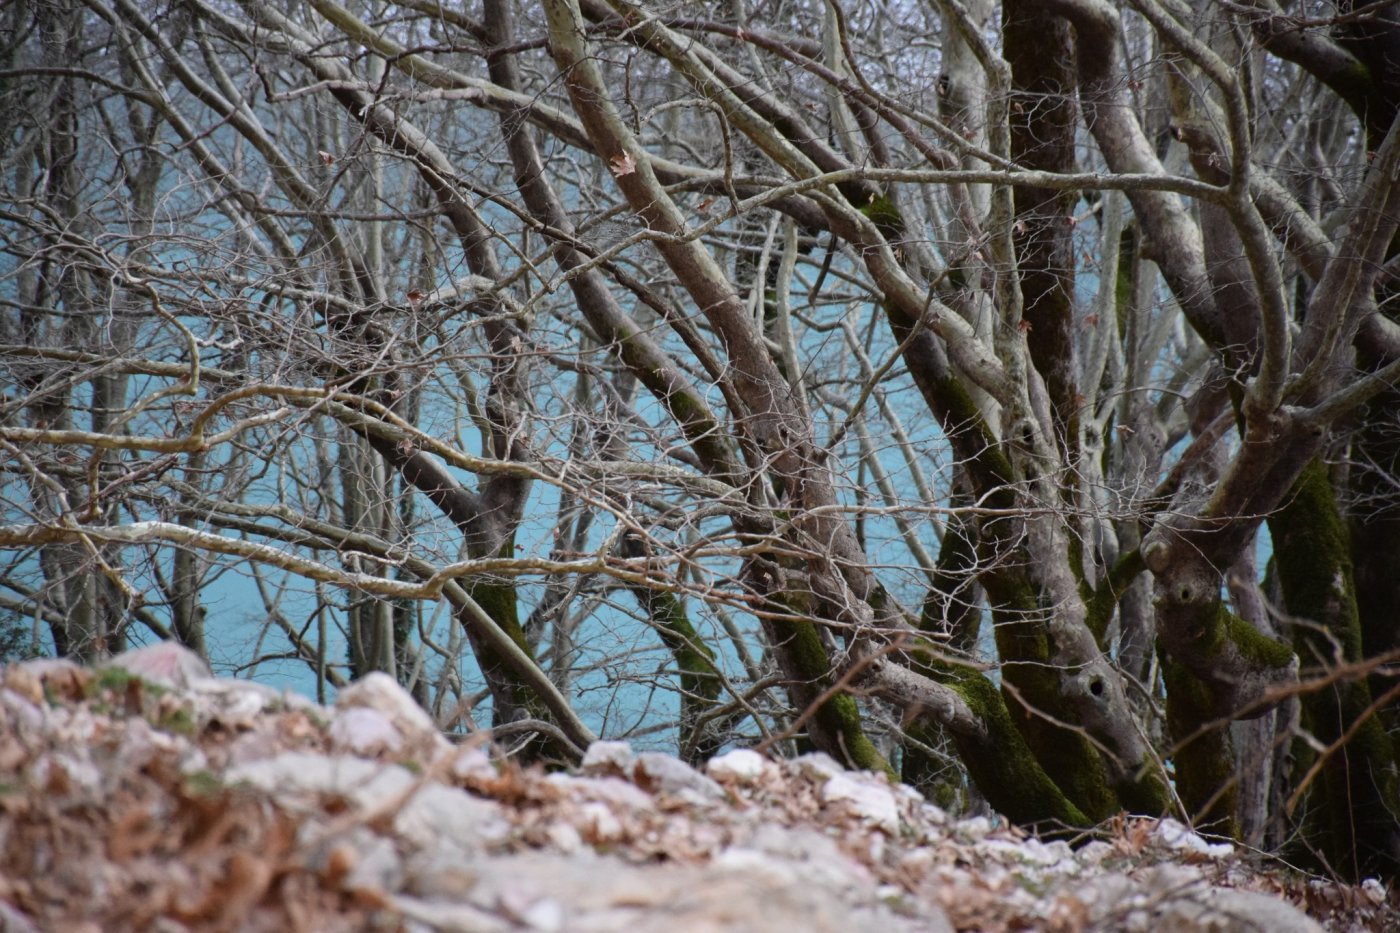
166, 663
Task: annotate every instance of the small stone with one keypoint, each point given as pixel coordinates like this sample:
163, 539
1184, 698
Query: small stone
21, 715
615, 792
866, 800
563, 837
545, 915
167, 663
379, 692
12, 921
975, 828
377, 868
448, 917
140, 745
663, 774
1182, 906
741, 766
422, 811
359, 861
817, 766
234, 704
598, 825
470, 763
608, 758
67, 778
440, 873
437, 812
815, 855
1175, 835
932, 813
763, 868
365, 732
1094, 852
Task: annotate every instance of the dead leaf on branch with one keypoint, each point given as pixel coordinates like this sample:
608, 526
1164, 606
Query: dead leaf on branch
622, 164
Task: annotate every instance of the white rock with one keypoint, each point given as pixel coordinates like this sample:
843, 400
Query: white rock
1030, 852
817, 856
545, 915
612, 791
380, 692
607, 756
1094, 852
233, 703
607, 895
1177, 836
438, 812
78, 779
305, 773
974, 828
763, 868
378, 868
193, 760
1183, 907
598, 823
75, 727
741, 766
873, 803
140, 745
18, 715
663, 774
422, 811
167, 663
364, 732
563, 837
817, 766
374, 863
470, 763
12, 921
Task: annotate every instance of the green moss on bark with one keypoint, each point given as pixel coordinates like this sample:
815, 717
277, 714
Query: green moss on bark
510, 697
699, 678
1034, 697
1036, 702
1205, 763
1352, 810
885, 216
839, 714
1021, 636
1000, 762
1101, 606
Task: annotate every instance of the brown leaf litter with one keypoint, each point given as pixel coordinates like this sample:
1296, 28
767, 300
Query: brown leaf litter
151, 796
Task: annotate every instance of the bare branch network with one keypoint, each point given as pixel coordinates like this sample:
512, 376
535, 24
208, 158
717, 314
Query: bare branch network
999, 395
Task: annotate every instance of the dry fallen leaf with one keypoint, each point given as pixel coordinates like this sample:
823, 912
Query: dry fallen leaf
622, 164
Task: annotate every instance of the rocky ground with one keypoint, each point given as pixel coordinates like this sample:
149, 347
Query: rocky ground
151, 796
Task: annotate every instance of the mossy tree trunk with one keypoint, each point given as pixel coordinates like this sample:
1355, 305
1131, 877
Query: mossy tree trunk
1351, 801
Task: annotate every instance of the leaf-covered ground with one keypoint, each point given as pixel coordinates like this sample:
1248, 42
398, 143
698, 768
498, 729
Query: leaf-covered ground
150, 796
